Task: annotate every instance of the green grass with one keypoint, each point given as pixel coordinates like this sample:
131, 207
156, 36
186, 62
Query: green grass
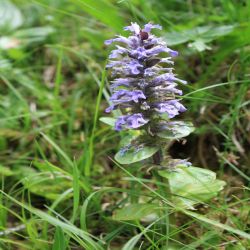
59, 183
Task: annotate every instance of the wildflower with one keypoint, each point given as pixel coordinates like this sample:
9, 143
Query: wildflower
144, 86
145, 89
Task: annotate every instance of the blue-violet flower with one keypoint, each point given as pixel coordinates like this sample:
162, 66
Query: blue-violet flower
144, 86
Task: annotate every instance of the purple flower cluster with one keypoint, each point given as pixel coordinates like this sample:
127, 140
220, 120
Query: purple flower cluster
144, 86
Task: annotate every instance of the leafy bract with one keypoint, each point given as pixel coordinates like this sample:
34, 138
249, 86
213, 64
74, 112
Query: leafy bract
132, 150
135, 154
135, 211
192, 185
177, 130
108, 120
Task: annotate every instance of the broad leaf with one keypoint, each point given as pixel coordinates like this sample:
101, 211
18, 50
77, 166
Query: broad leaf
135, 211
135, 154
177, 130
174, 38
215, 32
131, 136
192, 185
198, 36
132, 150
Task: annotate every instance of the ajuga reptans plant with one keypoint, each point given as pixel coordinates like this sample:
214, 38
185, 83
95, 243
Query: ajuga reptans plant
145, 88
146, 94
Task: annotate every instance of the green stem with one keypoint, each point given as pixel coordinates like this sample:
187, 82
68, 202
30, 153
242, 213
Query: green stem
165, 192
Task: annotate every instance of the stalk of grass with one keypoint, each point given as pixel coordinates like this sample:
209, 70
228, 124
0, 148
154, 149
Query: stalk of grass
90, 153
83, 238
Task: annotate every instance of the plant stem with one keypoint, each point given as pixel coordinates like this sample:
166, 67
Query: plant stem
166, 192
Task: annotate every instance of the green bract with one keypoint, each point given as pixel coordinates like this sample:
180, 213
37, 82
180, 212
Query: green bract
108, 120
135, 154
178, 130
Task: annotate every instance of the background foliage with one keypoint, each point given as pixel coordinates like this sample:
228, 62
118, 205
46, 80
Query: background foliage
60, 185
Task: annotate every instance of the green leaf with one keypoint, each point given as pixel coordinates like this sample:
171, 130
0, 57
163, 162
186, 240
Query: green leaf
174, 38
59, 240
215, 32
199, 45
177, 130
203, 33
135, 211
192, 185
135, 154
6, 171
132, 242
131, 136
108, 120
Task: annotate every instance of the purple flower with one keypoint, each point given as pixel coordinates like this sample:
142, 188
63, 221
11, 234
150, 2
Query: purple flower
175, 162
118, 82
185, 162
120, 39
134, 27
160, 91
177, 105
127, 96
117, 52
135, 67
161, 49
172, 108
130, 121
144, 87
149, 26
139, 53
